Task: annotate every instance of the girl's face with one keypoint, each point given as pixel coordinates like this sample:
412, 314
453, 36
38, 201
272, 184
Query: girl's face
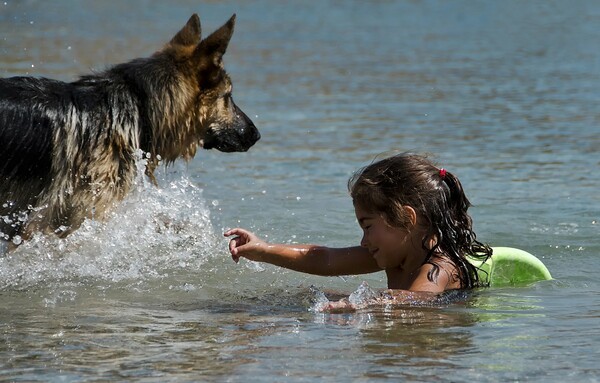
391, 247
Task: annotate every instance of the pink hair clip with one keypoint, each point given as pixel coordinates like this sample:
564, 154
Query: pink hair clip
443, 173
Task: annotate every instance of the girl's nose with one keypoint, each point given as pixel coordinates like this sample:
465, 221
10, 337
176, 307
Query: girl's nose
363, 241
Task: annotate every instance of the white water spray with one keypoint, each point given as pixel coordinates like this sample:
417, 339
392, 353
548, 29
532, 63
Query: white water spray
147, 235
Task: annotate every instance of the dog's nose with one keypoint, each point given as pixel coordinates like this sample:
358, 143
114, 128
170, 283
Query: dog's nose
252, 134
256, 134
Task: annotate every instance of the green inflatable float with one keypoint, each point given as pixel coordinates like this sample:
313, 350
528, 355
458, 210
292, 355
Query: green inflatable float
509, 267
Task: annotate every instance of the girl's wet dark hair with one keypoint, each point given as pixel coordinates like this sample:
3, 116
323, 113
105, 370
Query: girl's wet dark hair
386, 186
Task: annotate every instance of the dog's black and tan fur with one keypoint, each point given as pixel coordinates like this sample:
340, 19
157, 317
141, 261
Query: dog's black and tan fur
68, 150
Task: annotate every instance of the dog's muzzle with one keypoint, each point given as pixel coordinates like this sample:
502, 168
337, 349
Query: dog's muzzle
237, 136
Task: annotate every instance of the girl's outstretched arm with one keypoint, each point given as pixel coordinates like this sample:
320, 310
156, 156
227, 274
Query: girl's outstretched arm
311, 259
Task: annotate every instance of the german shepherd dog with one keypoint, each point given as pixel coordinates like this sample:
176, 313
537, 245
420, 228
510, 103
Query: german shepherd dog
68, 151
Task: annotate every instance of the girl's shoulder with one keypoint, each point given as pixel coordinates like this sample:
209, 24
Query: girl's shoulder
443, 271
435, 276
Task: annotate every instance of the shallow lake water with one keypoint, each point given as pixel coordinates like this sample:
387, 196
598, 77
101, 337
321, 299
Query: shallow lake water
504, 94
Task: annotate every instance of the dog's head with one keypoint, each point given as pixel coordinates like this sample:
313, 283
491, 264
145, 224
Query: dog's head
219, 123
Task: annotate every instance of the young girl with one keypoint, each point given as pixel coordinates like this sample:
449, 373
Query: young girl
415, 227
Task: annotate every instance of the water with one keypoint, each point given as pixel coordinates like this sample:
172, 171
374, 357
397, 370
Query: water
505, 94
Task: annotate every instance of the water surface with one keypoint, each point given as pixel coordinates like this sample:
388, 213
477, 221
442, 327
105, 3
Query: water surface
503, 94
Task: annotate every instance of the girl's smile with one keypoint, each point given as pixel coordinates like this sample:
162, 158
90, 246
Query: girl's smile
393, 248
380, 239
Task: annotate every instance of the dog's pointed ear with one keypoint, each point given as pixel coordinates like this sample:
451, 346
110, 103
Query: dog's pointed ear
189, 34
218, 41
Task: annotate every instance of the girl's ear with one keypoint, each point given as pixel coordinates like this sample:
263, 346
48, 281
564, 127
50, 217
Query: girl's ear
411, 214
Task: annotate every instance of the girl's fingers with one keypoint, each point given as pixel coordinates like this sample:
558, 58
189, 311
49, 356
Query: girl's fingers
236, 231
230, 232
242, 237
234, 250
233, 244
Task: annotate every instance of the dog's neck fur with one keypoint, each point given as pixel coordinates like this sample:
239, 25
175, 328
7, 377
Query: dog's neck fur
173, 133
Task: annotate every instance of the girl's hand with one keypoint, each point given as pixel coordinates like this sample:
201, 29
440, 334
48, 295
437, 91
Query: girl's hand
341, 306
246, 245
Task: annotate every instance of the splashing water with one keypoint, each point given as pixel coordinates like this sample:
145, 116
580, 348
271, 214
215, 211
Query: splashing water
361, 298
318, 300
152, 231
363, 295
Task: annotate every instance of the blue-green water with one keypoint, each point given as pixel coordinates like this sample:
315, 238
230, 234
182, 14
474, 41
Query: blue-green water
505, 94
